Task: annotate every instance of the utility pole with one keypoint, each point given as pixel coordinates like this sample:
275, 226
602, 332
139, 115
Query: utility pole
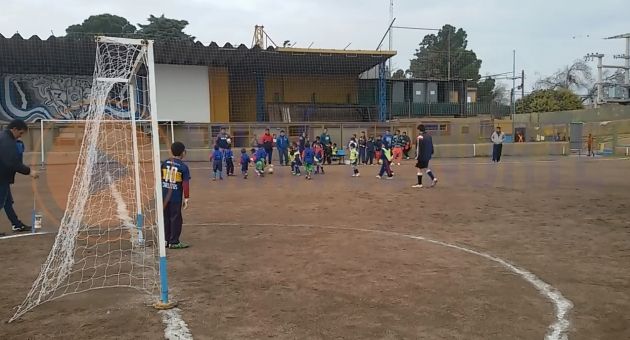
513, 85
522, 84
391, 34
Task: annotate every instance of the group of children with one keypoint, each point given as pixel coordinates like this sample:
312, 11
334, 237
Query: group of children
176, 175
385, 149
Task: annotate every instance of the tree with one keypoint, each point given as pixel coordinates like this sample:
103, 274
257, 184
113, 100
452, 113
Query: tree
485, 90
162, 28
549, 100
575, 77
445, 56
100, 24
400, 74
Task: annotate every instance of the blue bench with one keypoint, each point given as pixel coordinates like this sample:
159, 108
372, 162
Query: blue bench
339, 156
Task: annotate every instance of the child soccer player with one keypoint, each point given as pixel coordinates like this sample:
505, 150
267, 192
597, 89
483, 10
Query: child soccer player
261, 159
378, 146
319, 156
424, 151
244, 163
309, 160
398, 144
229, 161
370, 151
175, 192
386, 158
354, 160
297, 161
217, 163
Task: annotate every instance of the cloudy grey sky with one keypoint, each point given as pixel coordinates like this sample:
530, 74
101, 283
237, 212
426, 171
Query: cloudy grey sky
546, 34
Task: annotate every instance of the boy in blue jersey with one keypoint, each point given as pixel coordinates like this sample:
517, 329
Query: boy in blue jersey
229, 161
217, 163
175, 193
260, 160
309, 160
244, 163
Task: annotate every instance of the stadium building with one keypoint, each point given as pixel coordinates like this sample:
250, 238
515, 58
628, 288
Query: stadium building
51, 79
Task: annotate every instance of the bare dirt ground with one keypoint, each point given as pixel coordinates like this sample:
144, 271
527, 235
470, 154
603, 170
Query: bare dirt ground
268, 260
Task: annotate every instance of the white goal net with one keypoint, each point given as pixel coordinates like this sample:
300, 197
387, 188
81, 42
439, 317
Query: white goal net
108, 236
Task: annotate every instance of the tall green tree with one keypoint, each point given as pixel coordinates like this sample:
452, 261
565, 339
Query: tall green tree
445, 54
100, 24
161, 27
549, 100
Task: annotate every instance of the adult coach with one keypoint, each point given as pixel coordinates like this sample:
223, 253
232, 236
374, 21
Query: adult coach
10, 163
424, 152
497, 139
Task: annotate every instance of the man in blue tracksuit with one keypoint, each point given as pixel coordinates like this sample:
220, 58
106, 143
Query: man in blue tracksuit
282, 144
10, 164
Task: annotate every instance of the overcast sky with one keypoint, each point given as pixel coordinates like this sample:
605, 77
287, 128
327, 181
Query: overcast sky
546, 34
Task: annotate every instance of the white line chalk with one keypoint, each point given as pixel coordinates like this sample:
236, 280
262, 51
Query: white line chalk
562, 306
24, 235
176, 328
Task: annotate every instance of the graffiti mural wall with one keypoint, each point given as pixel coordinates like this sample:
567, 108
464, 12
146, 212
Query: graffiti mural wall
34, 97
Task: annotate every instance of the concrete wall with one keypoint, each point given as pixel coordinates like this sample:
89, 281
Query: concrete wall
511, 149
603, 113
183, 93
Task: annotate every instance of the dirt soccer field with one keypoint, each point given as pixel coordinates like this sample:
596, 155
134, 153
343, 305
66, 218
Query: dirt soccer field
521, 250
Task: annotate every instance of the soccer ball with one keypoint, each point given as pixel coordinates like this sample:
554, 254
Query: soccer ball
270, 169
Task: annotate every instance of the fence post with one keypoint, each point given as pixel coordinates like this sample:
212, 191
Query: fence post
41, 143
341, 133
172, 132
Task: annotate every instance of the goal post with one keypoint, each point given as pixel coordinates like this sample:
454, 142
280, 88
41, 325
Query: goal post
112, 232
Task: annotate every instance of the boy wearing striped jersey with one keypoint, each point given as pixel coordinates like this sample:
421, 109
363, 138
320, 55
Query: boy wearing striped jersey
424, 152
175, 192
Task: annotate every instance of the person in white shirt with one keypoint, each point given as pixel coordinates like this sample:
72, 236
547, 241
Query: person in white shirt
497, 144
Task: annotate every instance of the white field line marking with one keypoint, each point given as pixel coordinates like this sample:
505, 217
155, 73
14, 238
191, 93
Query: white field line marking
121, 209
562, 306
176, 328
25, 234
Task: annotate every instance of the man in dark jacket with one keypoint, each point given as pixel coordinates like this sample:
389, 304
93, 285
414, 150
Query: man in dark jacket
424, 152
10, 163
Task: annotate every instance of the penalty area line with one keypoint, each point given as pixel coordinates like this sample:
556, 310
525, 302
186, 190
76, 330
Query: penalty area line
562, 306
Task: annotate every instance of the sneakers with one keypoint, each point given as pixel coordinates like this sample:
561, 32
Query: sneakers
180, 245
434, 183
21, 228
379, 177
417, 186
390, 177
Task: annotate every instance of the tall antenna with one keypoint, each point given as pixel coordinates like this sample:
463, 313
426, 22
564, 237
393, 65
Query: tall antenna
261, 37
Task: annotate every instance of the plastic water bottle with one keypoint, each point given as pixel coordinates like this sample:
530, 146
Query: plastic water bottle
38, 221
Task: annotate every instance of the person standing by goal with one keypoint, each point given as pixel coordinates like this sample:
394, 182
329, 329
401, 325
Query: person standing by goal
175, 192
497, 139
424, 152
10, 164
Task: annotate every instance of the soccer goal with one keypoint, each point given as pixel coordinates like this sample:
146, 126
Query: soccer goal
111, 234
